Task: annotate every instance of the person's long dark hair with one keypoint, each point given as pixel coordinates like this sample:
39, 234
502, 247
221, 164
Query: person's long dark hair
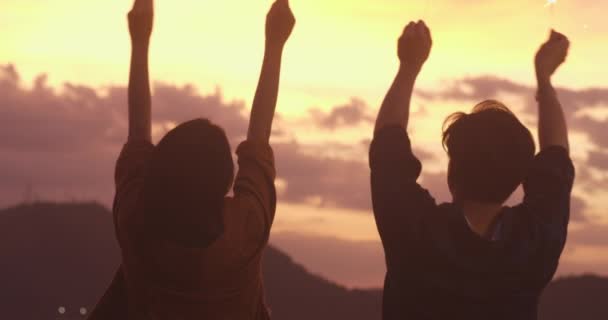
190, 173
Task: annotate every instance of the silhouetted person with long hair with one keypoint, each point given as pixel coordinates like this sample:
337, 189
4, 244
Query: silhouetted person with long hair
188, 250
473, 258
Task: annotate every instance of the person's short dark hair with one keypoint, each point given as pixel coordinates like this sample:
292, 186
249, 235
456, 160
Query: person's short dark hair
187, 179
490, 153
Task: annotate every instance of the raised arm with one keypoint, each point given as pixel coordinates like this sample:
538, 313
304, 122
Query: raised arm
141, 20
279, 24
552, 129
413, 49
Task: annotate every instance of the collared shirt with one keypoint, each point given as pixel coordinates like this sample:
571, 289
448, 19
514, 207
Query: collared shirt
437, 268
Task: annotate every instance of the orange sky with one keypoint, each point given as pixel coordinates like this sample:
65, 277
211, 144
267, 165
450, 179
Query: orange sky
339, 49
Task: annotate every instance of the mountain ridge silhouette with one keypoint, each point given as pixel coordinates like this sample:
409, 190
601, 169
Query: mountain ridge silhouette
65, 255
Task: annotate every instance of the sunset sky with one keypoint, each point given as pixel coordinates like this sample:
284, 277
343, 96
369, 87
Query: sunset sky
60, 135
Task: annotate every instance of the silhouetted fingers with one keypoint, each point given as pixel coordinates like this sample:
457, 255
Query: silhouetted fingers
281, 4
409, 30
560, 38
409, 26
273, 9
423, 24
565, 42
552, 34
558, 41
557, 36
565, 49
142, 5
427, 32
422, 29
418, 30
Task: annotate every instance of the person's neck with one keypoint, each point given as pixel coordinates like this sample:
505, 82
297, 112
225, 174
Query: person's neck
482, 217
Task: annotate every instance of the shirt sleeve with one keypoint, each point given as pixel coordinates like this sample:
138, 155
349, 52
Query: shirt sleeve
128, 177
547, 192
254, 184
399, 202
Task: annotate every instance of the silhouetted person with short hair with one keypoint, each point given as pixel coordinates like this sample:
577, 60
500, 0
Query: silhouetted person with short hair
473, 258
188, 250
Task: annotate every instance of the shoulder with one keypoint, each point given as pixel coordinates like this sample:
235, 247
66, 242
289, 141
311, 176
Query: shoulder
132, 159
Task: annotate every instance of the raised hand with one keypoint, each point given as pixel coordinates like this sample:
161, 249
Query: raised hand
551, 55
552, 128
415, 45
279, 23
141, 20
414, 48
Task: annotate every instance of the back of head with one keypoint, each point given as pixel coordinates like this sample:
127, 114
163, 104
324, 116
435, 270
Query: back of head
490, 153
189, 175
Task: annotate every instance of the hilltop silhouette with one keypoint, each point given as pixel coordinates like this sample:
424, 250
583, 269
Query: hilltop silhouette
57, 255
